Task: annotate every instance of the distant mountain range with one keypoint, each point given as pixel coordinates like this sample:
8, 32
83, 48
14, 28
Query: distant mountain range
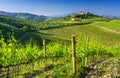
60, 15
111, 16
39, 18
27, 16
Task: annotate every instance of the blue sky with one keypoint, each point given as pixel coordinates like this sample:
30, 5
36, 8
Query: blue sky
52, 7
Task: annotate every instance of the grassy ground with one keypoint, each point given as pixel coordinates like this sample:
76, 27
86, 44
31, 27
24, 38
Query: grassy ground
107, 35
62, 67
114, 25
52, 68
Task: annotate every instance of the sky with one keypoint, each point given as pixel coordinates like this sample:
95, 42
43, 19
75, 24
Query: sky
53, 7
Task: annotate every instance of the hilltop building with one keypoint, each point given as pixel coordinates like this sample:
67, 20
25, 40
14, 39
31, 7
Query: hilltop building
81, 13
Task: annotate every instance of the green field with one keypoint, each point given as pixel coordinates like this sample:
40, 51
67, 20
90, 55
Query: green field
58, 45
114, 25
102, 32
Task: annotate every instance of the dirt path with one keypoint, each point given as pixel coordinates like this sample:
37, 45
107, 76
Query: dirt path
107, 29
107, 69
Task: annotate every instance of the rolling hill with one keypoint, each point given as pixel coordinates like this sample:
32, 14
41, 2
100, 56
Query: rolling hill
103, 32
64, 28
27, 16
13, 53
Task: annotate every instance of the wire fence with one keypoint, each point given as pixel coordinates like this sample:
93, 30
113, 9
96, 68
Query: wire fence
86, 61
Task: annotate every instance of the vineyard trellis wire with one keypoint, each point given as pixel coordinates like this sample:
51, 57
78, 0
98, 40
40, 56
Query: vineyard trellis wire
85, 59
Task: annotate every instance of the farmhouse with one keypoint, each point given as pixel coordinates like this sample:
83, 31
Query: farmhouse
81, 13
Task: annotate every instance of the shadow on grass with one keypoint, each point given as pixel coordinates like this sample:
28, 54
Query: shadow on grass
38, 72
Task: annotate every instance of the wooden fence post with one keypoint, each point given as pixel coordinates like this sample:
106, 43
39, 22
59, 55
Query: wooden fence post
86, 56
73, 54
44, 47
8, 72
86, 60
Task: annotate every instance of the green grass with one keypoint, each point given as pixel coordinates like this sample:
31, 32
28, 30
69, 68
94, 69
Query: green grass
53, 67
114, 25
20, 26
13, 53
96, 33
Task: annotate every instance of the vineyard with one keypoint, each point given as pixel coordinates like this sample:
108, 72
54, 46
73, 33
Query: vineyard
13, 53
44, 50
106, 33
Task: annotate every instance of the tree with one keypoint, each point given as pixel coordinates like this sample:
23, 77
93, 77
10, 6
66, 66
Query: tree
89, 15
25, 28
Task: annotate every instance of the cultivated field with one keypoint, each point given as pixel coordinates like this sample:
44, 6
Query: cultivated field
103, 32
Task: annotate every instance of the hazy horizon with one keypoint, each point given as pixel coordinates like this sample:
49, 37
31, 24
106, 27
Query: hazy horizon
53, 7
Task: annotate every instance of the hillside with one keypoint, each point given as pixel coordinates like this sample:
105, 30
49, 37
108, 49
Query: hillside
29, 26
6, 30
83, 16
27, 16
103, 32
28, 55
